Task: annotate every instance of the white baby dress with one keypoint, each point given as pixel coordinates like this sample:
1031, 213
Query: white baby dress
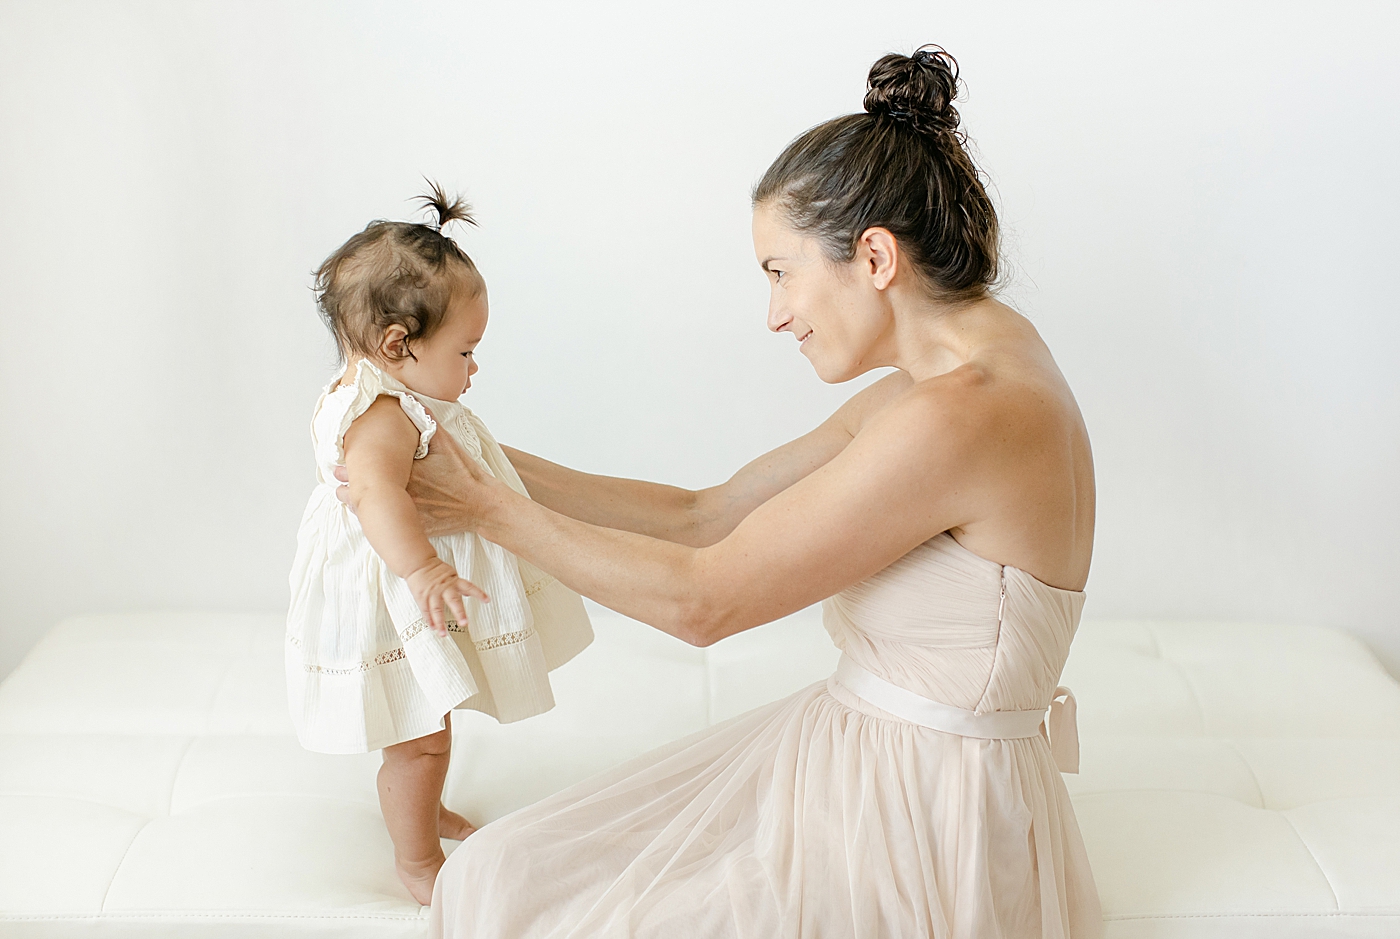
364, 670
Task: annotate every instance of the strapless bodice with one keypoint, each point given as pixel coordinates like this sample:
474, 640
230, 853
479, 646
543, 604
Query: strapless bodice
955, 627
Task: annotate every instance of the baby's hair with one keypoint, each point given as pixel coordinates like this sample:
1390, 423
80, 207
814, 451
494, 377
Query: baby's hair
395, 273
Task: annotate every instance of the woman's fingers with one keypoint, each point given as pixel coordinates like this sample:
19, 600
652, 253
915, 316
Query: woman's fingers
342, 492
467, 588
445, 486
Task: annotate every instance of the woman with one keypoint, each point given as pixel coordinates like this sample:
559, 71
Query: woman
946, 511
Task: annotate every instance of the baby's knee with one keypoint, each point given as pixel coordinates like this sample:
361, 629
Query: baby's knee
434, 744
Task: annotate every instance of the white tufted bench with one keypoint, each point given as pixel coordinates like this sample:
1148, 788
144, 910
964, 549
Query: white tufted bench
1236, 781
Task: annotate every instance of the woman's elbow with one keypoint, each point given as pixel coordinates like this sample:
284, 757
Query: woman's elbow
702, 640
707, 522
700, 624
707, 608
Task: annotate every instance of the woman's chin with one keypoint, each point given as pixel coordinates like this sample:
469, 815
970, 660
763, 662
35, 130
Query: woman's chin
835, 375
827, 375
824, 369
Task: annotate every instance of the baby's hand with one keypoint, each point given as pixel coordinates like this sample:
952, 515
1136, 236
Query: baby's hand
436, 584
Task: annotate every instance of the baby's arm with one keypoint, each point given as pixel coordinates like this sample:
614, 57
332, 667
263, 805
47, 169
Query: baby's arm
379, 449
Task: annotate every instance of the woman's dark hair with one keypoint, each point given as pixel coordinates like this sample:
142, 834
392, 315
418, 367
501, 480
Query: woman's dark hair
902, 165
395, 273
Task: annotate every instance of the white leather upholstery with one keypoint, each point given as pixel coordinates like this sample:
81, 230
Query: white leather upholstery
1235, 781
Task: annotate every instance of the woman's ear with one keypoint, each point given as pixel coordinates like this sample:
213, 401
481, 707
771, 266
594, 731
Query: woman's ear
878, 251
393, 346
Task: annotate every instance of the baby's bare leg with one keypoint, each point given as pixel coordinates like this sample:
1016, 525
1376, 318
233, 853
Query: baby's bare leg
450, 824
410, 793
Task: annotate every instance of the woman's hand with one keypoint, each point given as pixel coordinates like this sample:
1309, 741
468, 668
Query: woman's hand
438, 587
450, 490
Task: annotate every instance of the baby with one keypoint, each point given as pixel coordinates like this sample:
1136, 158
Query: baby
390, 630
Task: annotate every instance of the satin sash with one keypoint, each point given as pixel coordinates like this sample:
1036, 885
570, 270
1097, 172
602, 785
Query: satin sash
1060, 727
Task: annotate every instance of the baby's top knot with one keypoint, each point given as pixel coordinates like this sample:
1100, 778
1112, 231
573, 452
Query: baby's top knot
454, 209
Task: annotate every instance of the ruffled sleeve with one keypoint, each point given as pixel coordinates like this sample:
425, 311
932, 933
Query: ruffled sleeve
369, 384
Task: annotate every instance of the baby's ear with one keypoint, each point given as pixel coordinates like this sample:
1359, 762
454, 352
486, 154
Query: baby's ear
393, 345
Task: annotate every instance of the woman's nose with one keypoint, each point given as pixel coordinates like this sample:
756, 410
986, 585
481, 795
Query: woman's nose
777, 317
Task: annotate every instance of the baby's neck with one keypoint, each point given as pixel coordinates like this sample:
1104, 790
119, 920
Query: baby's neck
352, 367
347, 378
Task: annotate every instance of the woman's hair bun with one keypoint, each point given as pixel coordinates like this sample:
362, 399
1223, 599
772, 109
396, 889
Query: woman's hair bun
455, 209
916, 89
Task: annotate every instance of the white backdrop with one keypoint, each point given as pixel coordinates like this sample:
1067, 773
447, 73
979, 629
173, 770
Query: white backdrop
1200, 204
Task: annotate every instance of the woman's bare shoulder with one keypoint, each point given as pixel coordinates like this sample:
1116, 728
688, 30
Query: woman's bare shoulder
862, 405
1008, 451
968, 425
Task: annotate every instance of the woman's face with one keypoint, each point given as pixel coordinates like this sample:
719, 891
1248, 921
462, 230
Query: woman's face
830, 307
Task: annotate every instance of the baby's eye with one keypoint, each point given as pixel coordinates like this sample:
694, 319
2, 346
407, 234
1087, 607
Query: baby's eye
469, 353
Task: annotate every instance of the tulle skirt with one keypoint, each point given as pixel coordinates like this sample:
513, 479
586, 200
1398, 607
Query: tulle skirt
814, 816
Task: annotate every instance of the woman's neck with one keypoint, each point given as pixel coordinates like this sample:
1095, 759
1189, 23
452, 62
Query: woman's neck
928, 338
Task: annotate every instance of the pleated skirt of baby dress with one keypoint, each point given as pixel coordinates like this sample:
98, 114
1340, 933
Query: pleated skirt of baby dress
364, 670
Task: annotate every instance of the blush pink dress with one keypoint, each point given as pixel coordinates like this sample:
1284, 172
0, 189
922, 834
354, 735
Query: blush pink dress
822, 814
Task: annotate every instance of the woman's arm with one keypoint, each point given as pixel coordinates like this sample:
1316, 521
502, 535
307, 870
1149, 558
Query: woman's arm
839, 524
653, 509
704, 517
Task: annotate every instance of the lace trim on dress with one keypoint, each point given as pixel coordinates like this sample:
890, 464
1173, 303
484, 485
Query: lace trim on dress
383, 658
482, 645
418, 625
473, 440
504, 639
415, 409
397, 654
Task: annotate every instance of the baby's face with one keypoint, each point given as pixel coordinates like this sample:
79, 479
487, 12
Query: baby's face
445, 365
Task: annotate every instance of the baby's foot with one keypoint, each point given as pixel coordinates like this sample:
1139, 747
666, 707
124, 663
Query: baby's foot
451, 825
419, 876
